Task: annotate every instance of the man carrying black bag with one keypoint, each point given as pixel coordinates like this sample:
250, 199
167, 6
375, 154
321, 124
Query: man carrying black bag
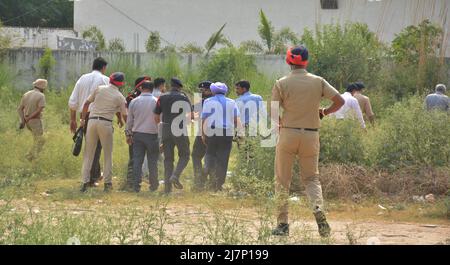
77, 141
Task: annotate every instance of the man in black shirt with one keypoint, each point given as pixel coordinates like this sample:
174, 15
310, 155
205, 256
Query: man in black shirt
199, 148
175, 108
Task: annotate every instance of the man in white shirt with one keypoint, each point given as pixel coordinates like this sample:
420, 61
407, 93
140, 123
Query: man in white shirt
351, 107
84, 87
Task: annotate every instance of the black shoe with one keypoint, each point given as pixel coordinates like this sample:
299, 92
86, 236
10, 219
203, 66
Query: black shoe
108, 187
153, 188
281, 230
84, 187
137, 189
324, 227
176, 182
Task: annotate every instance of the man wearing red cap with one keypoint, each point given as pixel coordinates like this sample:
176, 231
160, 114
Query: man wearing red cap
299, 94
106, 102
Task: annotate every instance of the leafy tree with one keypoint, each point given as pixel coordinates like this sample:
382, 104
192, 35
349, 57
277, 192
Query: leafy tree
228, 65
95, 35
344, 54
116, 45
266, 31
251, 46
153, 43
419, 51
191, 48
5, 40
171, 49
46, 63
37, 13
276, 42
217, 38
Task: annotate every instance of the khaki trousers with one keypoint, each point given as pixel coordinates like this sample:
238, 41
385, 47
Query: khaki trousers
37, 130
103, 131
304, 145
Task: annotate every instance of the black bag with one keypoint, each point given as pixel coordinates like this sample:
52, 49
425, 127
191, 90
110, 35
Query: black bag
77, 142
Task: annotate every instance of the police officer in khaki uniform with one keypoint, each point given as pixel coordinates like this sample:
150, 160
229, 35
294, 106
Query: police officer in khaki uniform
30, 112
106, 102
299, 94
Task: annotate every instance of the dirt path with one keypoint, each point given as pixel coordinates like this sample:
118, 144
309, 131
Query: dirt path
384, 233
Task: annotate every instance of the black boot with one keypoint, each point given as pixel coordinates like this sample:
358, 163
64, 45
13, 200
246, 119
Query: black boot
108, 187
324, 227
281, 230
84, 187
176, 182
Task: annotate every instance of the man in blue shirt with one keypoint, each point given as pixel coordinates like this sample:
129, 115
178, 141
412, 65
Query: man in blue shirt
250, 105
220, 118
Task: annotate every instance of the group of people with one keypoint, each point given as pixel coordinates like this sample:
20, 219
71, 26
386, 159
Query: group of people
156, 121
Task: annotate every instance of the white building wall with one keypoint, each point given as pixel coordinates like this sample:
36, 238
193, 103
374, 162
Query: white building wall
53, 38
182, 21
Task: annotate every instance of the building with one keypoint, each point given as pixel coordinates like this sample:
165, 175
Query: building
53, 38
183, 21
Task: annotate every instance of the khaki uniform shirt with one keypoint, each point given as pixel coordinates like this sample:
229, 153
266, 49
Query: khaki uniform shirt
106, 102
365, 105
31, 101
299, 94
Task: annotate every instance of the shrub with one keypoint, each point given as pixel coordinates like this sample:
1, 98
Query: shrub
46, 63
116, 45
409, 135
153, 43
228, 65
95, 35
343, 54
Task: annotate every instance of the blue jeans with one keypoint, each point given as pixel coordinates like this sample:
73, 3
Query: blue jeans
145, 143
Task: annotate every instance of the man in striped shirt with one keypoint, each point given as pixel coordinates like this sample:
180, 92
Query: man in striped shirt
84, 87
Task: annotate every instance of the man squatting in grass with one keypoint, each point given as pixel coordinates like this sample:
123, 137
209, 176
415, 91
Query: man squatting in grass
106, 101
299, 94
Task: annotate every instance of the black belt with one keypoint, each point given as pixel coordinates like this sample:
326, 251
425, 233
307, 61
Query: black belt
99, 118
306, 129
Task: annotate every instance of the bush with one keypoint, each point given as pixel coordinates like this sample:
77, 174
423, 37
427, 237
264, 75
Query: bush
341, 141
116, 45
409, 135
343, 54
46, 64
153, 43
228, 65
95, 35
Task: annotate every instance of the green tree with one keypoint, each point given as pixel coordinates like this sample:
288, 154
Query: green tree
251, 46
266, 31
419, 51
343, 54
228, 65
153, 43
276, 42
191, 48
46, 64
116, 45
217, 38
95, 35
37, 13
5, 40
